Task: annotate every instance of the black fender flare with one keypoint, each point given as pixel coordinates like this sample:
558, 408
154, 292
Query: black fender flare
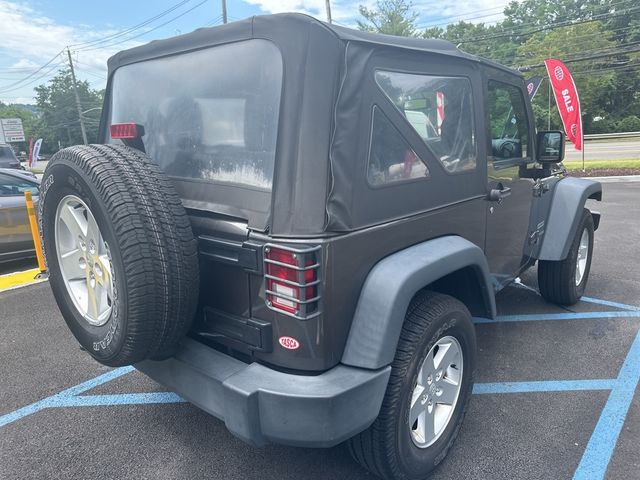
393, 282
569, 197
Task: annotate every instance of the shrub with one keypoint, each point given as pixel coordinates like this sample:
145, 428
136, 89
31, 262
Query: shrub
629, 124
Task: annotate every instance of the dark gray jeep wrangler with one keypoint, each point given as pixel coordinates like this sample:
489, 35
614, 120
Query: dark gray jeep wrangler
292, 224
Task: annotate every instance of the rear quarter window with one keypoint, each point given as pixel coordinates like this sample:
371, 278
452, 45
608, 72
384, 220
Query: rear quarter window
439, 109
210, 115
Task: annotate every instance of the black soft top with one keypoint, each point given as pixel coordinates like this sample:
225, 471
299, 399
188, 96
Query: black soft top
292, 23
328, 94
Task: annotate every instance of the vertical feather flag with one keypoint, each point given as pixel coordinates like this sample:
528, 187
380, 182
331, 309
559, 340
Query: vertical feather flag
566, 94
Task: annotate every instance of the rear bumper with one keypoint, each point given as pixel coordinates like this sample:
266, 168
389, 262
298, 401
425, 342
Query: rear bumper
261, 405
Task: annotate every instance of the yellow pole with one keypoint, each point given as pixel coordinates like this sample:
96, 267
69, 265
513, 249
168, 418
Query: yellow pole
35, 233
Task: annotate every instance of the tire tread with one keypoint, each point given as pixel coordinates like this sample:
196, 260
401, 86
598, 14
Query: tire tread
155, 241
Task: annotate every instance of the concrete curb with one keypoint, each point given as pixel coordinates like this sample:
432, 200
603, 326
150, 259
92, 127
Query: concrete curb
616, 179
11, 281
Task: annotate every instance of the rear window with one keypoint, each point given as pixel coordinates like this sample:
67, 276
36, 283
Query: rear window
210, 115
6, 153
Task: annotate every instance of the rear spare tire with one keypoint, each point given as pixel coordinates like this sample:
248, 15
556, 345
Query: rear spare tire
122, 258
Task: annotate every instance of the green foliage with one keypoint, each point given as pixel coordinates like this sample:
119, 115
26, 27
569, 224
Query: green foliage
604, 125
392, 17
609, 30
59, 122
629, 124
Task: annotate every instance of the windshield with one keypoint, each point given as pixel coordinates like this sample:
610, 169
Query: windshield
210, 115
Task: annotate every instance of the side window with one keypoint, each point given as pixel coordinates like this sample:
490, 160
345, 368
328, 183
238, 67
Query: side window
11, 186
440, 110
391, 159
508, 124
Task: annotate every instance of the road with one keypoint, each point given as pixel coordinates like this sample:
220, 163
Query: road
605, 150
575, 410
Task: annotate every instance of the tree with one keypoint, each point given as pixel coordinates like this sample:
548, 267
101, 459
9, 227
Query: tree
392, 17
476, 38
598, 39
59, 122
599, 95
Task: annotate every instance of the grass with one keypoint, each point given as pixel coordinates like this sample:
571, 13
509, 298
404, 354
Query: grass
603, 164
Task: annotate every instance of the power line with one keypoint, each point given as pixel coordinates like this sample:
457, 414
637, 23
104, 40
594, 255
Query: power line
613, 50
22, 85
214, 21
87, 72
134, 27
128, 39
8, 87
552, 26
93, 68
12, 79
520, 26
576, 40
463, 17
590, 57
613, 69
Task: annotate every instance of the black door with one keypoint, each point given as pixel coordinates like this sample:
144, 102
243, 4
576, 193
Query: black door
509, 194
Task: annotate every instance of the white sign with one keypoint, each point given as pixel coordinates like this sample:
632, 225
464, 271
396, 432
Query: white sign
11, 130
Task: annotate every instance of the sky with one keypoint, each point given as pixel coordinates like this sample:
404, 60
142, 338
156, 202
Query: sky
35, 32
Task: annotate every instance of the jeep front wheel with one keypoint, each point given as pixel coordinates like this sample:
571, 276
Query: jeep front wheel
428, 391
120, 251
563, 282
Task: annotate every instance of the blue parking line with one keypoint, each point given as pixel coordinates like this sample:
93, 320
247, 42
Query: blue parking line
123, 399
58, 400
608, 303
604, 438
556, 316
543, 386
97, 381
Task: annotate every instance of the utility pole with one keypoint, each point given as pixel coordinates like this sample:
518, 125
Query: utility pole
75, 90
224, 11
328, 5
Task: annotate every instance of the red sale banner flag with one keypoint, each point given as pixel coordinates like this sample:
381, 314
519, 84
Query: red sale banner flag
566, 93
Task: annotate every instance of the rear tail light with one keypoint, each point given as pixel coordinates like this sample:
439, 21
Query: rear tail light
292, 280
126, 131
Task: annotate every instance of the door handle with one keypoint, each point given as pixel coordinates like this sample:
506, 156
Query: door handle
498, 194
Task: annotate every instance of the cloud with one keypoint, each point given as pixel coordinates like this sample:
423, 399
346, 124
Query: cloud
341, 11
25, 63
29, 39
444, 11
10, 100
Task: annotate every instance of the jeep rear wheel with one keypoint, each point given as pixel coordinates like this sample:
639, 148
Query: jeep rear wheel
121, 254
563, 282
428, 391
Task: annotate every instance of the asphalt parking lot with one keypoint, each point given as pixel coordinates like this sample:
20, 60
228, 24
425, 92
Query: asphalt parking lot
556, 392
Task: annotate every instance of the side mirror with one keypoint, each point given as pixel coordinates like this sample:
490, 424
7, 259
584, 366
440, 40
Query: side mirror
550, 146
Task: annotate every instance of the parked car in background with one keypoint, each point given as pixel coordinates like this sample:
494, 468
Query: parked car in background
15, 235
8, 158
